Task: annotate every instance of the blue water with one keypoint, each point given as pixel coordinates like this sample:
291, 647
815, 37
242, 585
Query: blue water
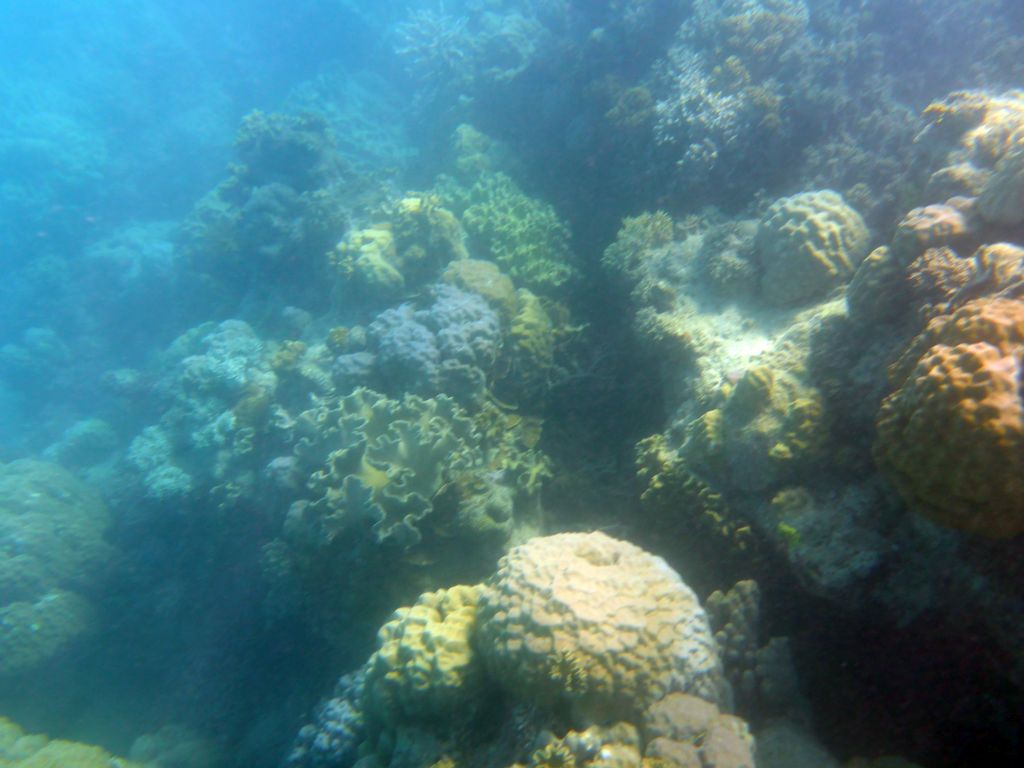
309, 308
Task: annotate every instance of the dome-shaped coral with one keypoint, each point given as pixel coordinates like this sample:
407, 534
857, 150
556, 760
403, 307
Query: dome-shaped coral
951, 437
596, 620
809, 244
424, 667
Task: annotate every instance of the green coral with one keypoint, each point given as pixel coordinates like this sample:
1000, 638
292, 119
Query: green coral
523, 235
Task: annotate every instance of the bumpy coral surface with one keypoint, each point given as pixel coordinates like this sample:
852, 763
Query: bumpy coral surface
523, 235
596, 620
809, 244
951, 437
771, 425
22, 750
51, 544
685, 730
424, 668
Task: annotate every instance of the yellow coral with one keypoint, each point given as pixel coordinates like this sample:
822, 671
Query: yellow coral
21, 750
425, 668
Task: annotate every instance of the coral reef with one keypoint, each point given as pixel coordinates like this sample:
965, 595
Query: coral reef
982, 133
282, 207
808, 244
597, 620
685, 730
52, 552
377, 462
524, 236
216, 383
35, 750
626, 643
951, 436
424, 667
385, 262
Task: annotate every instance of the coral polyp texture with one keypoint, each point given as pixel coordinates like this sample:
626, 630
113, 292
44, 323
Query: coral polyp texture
51, 552
951, 436
598, 621
580, 645
424, 667
809, 244
35, 750
987, 158
417, 239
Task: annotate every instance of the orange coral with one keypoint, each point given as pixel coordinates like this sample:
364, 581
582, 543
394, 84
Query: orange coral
932, 226
951, 437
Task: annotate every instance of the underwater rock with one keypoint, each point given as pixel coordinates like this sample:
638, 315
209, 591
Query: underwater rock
84, 444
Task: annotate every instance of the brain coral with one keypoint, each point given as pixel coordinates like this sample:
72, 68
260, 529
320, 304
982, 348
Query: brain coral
951, 437
597, 620
424, 667
809, 244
